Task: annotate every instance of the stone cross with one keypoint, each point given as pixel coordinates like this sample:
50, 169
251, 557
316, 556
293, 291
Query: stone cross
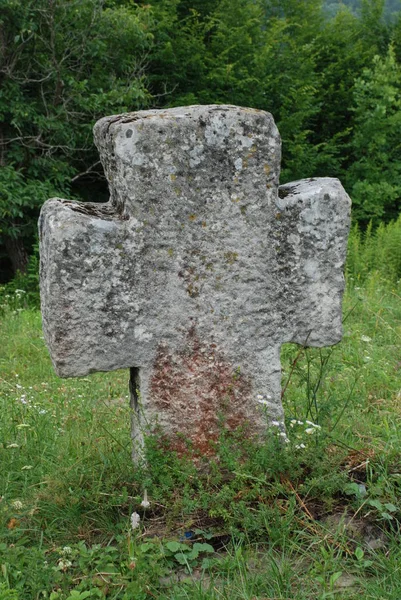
195, 272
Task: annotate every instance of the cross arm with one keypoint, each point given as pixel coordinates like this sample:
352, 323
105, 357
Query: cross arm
313, 223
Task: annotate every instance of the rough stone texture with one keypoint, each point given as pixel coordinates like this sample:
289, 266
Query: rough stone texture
196, 271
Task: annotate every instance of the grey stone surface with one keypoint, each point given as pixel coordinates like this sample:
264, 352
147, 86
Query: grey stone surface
196, 271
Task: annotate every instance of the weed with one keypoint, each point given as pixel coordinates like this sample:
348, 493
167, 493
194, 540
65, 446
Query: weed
252, 523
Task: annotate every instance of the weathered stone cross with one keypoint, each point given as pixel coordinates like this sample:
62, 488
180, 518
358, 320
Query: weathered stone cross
195, 272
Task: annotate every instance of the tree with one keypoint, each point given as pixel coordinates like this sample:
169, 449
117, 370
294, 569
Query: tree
63, 64
374, 178
289, 81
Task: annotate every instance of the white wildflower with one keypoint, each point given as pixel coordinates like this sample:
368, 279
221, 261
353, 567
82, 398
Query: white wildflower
275, 423
135, 521
313, 424
293, 421
365, 338
310, 430
145, 502
300, 422
264, 399
283, 434
300, 446
19, 387
17, 505
66, 550
64, 564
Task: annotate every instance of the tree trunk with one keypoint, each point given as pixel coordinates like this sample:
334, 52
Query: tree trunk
17, 254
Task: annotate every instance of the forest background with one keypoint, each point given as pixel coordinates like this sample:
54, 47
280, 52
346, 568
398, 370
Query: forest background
329, 72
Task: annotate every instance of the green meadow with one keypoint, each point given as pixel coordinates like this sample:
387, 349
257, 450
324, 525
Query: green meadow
315, 518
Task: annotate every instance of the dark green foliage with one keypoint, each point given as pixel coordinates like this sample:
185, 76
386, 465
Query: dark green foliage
62, 65
323, 69
375, 174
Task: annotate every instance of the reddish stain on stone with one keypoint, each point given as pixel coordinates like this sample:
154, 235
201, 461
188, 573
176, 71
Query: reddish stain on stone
198, 392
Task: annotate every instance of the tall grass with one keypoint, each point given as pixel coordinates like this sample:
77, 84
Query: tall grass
375, 251
318, 519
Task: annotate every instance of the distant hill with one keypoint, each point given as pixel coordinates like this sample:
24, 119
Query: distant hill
392, 6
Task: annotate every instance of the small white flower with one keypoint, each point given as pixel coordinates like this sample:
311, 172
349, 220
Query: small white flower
64, 564
13, 445
145, 502
275, 423
293, 421
300, 446
283, 434
365, 338
135, 521
310, 430
66, 550
313, 424
300, 422
264, 400
17, 504
19, 387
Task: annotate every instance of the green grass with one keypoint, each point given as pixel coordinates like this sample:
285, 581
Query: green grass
268, 522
